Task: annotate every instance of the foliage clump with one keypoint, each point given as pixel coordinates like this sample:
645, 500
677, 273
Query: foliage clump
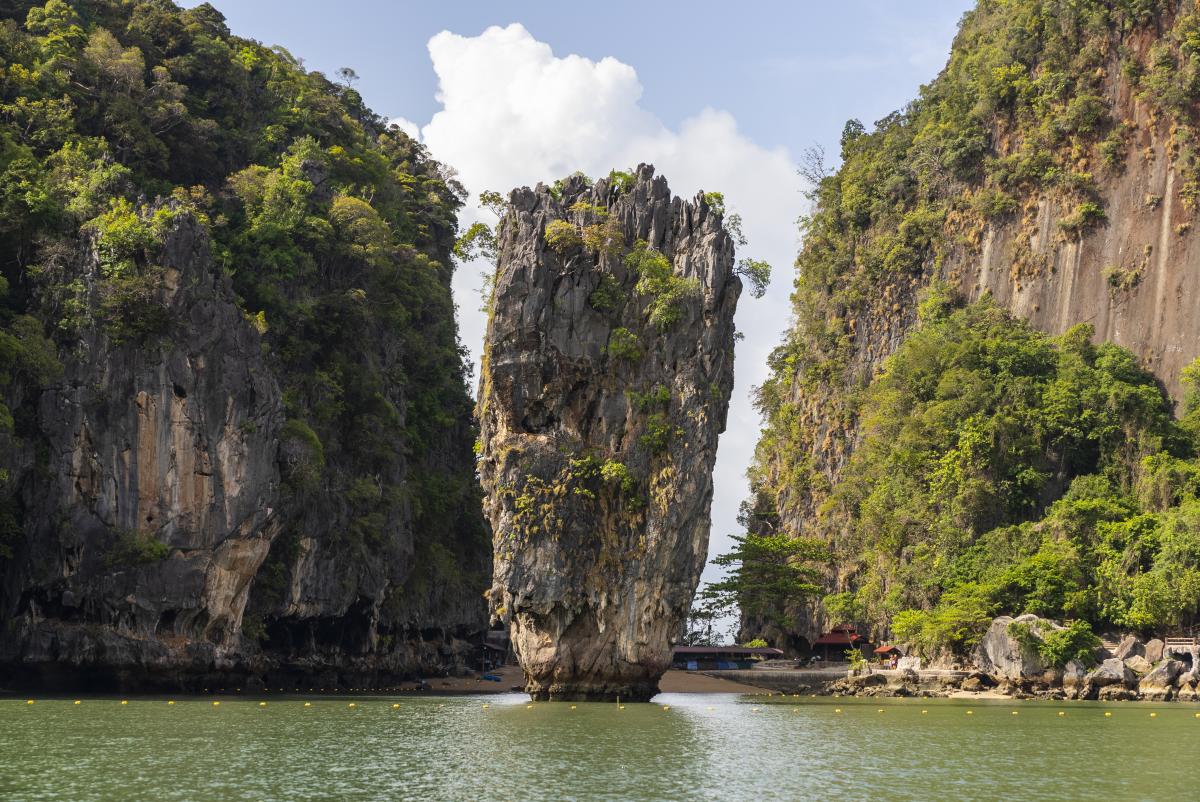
976, 425
667, 293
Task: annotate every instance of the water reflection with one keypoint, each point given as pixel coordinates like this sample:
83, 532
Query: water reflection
705, 746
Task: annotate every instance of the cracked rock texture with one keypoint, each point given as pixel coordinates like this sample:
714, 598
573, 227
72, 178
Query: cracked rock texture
599, 430
150, 491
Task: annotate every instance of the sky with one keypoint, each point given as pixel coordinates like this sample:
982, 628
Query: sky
718, 96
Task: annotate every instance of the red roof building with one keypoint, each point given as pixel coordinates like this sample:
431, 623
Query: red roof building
834, 643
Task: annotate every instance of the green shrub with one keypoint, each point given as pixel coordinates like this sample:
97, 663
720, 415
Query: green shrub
715, 201
607, 297
133, 548
623, 344
618, 474
1087, 215
622, 180
1074, 642
659, 432
657, 396
562, 236
668, 294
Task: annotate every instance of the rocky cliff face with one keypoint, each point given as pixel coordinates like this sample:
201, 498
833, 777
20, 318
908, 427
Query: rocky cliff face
606, 380
1062, 222
151, 502
153, 485
235, 430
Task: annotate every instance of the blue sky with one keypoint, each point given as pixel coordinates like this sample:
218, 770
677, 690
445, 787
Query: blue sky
790, 72
718, 96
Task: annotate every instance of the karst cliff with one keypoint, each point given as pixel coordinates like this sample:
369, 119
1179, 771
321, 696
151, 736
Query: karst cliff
1051, 169
235, 448
606, 377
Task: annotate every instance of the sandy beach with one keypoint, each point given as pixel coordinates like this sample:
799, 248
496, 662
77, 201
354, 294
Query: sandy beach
510, 678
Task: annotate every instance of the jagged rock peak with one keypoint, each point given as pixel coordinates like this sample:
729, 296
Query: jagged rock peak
606, 376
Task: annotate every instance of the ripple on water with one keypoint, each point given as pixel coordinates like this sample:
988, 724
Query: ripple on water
715, 745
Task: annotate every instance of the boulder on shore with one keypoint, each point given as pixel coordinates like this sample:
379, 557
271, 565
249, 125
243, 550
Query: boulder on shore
1074, 679
1129, 647
1111, 673
1139, 665
1159, 684
1001, 654
1154, 650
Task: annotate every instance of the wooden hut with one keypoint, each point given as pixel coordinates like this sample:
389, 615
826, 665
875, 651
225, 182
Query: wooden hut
832, 646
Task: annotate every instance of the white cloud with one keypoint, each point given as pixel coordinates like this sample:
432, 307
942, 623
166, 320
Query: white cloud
514, 114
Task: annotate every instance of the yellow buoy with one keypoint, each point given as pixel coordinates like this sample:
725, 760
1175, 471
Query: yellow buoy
170, 701
1107, 714
923, 712
28, 701
308, 704
352, 705
528, 707
396, 706
1014, 712
572, 706
666, 707
262, 704
620, 707
880, 710
837, 710
216, 704
970, 712
1062, 712
1154, 715
485, 705
124, 701
78, 702
710, 707
755, 710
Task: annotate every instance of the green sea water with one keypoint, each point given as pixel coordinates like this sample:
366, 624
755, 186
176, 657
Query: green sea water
713, 747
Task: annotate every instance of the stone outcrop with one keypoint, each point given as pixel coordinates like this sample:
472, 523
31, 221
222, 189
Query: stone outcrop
1005, 656
1159, 684
606, 378
1111, 679
1129, 646
152, 493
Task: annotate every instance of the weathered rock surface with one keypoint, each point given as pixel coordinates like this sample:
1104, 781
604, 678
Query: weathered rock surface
1074, 679
150, 496
1138, 665
1108, 678
1154, 650
1003, 655
1130, 646
1159, 684
599, 430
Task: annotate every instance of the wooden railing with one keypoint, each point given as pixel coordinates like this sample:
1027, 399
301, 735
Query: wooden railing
1179, 643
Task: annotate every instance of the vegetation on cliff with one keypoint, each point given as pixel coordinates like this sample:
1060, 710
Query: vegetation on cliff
1006, 471
335, 227
1017, 111
947, 503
